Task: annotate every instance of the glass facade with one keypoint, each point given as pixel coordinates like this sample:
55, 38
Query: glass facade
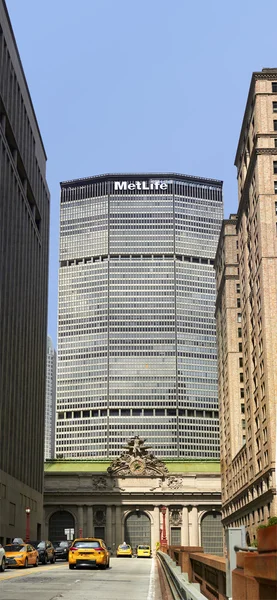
136, 330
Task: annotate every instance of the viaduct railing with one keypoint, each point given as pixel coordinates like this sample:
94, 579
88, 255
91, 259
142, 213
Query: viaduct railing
206, 570
254, 578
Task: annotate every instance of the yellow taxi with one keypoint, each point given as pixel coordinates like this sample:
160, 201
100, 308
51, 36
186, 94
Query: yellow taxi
88, 552
143, 551
21, 555
124, 550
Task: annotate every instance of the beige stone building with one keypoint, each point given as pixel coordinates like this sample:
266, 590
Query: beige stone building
246, 315
126, 499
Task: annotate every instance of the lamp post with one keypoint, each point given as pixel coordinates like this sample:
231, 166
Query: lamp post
163, 536
27, 511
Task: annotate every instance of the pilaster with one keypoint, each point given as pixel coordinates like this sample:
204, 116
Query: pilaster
185, 527
193, 534
80, 530
90, 529
156, 528
109, 539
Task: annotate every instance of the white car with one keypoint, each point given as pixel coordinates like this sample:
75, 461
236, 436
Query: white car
2, 558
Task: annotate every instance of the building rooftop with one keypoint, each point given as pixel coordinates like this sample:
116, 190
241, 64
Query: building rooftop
141, 176
98, 466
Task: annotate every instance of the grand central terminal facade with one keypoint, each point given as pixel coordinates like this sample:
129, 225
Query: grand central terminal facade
136, 498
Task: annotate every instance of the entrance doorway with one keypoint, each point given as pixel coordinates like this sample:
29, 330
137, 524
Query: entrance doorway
61, 526
137, 529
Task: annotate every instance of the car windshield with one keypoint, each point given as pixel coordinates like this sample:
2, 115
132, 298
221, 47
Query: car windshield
124, 547
14, 548
40, 545
87, 544
143, 547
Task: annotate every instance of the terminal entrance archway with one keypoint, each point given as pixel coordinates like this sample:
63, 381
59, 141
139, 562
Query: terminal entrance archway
212, 533
61, 526
137, 529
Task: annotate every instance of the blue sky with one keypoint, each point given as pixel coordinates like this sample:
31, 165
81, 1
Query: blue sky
140, 85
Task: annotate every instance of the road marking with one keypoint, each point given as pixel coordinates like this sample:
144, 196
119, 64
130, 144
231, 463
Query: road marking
25, 572
151, 589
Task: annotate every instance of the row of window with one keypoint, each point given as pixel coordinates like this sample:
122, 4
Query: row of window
137, 412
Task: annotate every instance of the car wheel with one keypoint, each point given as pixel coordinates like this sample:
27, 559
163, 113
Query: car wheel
71, 566
26, 563
3, 565
36, 563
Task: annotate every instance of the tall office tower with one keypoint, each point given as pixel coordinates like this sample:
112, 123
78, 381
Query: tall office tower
50, 401
24, 225
246, 314
136, 331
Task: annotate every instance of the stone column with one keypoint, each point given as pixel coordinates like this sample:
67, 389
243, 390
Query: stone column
113, 528
155, 537
80, 526
185, 527
167, 525
109, 526
118, 526
90, 529
193, 538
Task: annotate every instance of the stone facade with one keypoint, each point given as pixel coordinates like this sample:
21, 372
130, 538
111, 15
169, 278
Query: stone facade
246, 314
99, 498
24, 235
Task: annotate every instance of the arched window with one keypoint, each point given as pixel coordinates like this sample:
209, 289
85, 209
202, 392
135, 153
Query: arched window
61, 526
137, 529
212, 533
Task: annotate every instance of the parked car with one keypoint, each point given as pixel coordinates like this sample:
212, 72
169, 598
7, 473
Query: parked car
124, 550
143, 551
90, 552
46, 551
21, 555
62, 549
2, 558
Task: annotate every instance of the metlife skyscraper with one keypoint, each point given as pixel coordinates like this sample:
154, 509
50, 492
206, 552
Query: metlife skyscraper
136, 337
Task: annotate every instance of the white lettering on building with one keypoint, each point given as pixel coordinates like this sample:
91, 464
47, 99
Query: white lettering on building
139, 185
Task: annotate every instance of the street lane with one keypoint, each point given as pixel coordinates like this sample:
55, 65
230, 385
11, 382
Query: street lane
128, 579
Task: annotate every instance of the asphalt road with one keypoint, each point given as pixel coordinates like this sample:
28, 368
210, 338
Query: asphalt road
127, 579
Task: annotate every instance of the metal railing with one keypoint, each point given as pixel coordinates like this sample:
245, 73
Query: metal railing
178, 582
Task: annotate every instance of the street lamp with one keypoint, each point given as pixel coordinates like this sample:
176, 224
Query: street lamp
27, 511
163, 536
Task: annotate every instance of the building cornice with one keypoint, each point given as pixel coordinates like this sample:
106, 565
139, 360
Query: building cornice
131, 493
267, 74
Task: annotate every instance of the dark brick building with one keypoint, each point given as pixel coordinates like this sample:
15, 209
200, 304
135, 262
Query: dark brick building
24, 232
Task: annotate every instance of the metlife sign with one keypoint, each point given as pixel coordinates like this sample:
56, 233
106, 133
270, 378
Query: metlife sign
140, 185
